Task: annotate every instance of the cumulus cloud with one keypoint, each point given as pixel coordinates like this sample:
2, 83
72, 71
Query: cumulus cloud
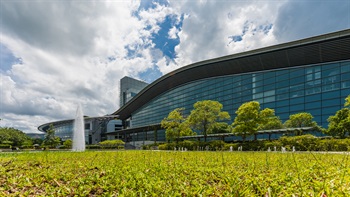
72, 52
209, 26
60, 53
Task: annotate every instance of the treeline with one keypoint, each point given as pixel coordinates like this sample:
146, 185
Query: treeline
207, 117
300, 143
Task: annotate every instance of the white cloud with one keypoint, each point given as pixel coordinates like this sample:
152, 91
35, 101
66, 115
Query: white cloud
173, 33
77, 54
77, 51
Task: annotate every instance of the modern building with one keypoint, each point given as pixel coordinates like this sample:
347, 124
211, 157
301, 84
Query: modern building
310, 75
97, 129
129, 88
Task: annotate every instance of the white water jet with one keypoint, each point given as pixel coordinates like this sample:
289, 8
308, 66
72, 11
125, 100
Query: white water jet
79, 131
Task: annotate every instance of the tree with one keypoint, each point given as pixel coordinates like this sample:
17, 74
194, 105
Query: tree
302, 119
299, 120
175, 125
50, 139
220, 127
250, 119
347, 101
339, 124
205, 116
269, 120
13, 136
68, 143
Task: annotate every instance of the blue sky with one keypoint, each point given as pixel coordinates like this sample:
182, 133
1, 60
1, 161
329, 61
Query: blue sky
56, 54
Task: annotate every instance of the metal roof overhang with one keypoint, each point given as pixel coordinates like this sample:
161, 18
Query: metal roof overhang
320, 49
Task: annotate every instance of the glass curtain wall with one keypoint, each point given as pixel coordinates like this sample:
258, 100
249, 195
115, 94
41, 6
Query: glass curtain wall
317, 89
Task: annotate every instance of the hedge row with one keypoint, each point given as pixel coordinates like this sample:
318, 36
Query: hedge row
300, 143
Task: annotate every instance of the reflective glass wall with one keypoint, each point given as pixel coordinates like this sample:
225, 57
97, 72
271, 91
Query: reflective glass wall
317, 89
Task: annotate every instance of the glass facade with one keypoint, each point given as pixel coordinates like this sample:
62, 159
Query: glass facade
129, 88
318, 89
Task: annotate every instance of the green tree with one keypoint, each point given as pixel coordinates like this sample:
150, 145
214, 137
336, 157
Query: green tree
269, 120
68, 143
339, 124
347, 101
13, 136
175, 125
205, 116
302, 119
249, 119
220, 127
50, 139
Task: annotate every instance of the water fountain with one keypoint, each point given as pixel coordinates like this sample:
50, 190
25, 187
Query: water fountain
79, 131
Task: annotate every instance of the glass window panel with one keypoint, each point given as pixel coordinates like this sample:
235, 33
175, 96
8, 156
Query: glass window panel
345, 67
282, 77
317, 75
269, 105
257, 77
258, 95
282, 96
313, 90
330, 87
315, 112
258, 89
296, 73
283, 109
345, 84
282, 84
284, 116
330, 95
282, 103
332, 102
296, 101
299, 107
313, 105
330, 72
270, 87
269, 99
313, 98
330, 110
297, 80
269, 93
345, 93
345, 76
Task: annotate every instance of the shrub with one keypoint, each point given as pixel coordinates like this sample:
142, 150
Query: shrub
217, 145
5, 146
163, 147
234, 146
301, 143
112, 144
93, 146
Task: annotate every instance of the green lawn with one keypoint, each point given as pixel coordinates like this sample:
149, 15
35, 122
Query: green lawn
160, 173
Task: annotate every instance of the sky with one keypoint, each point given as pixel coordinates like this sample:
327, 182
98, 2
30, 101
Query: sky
57, 54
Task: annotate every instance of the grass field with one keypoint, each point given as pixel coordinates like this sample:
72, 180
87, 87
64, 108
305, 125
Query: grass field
161, 173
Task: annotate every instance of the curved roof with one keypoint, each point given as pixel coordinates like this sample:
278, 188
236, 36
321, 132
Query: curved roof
325, 48
45, 127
